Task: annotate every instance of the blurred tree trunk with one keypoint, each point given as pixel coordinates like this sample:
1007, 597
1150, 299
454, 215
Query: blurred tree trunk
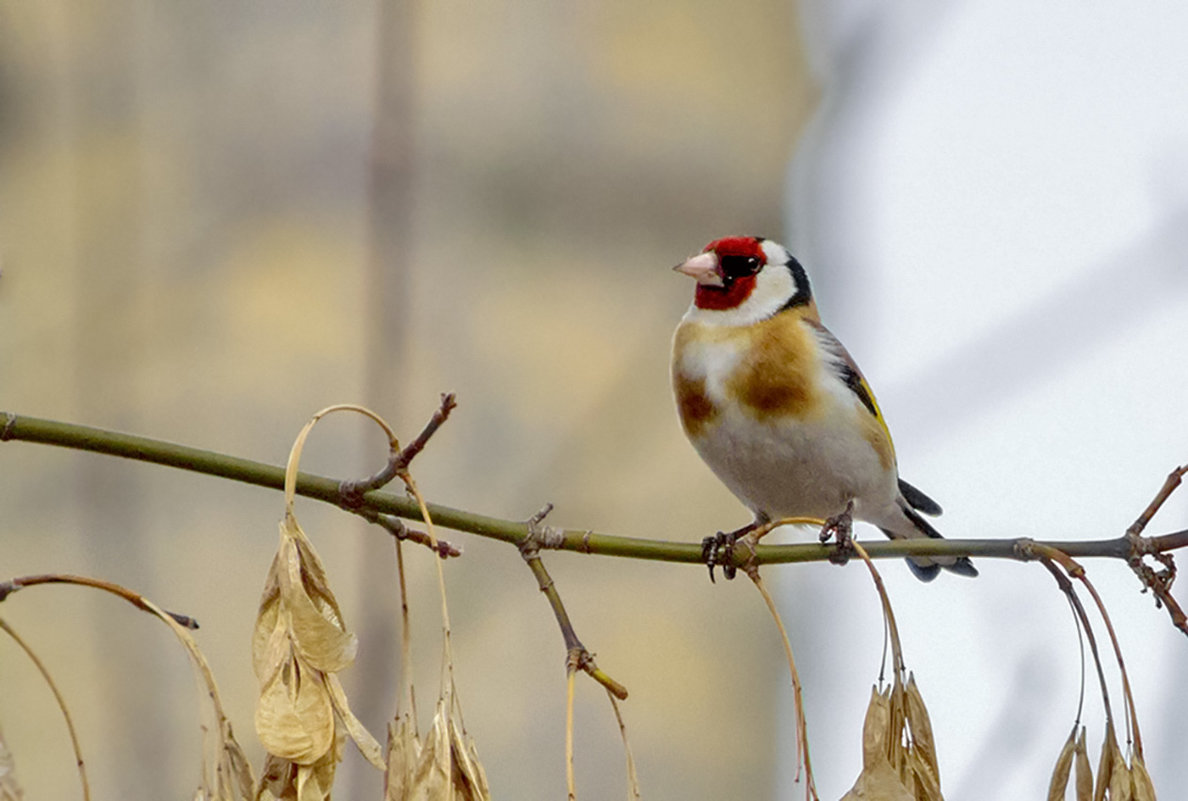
386, 285
103, 108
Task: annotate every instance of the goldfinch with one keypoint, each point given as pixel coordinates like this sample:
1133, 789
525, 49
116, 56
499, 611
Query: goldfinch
777, 407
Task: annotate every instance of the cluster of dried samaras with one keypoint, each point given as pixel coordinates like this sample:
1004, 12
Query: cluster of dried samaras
898, 751
899, 758
302, 716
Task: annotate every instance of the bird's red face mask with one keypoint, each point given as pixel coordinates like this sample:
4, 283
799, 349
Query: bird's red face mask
725, 271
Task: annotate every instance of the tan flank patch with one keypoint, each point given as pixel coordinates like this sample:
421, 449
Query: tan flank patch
696, 409
775, 378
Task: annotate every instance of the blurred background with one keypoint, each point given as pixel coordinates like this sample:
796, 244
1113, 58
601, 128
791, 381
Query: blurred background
217, 218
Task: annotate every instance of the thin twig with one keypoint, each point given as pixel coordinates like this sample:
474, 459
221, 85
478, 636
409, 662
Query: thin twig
576, 653
1169, 486
78, 759
1067, 588
10, 420
396, 527
145, 449
632, 777
448, 660
405, 457
1131, 711
134, 598
406, 683
50, 432
1158, 581
802, 746
351, 492
897, 663
232, 767
570, 672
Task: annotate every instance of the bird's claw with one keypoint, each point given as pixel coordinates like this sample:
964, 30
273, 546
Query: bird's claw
709, 553
840, 528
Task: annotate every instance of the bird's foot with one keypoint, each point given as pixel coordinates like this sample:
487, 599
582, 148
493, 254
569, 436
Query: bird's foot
710, 547
719, 550
840, 528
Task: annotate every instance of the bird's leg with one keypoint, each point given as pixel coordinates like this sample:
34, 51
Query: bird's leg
724, 541
840, 527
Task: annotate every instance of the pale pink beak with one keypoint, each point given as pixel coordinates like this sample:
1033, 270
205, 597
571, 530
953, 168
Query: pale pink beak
704, 268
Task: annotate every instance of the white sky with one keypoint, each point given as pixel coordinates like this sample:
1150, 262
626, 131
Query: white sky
994, 204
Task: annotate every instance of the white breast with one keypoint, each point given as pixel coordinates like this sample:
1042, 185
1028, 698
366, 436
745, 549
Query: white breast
785, 466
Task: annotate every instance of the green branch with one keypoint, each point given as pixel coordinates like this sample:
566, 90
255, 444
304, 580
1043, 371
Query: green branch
69, 435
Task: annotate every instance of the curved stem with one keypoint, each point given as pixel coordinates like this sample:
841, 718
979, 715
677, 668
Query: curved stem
78, 759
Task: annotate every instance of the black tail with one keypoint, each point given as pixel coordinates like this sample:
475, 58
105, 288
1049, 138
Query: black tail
962, 567
918, 500
929, 569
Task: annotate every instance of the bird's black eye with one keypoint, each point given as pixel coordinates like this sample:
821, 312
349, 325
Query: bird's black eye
738, 266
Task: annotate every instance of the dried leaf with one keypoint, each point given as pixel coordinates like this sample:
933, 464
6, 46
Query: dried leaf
1084, 771
1060, 774
1144, 788
368, 746
294, 715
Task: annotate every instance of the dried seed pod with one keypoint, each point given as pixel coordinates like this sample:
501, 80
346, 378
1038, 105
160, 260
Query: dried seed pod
315, 620
927, 782
403, 755
1144, 789
294, 716
470, 780
284, 780
879, 781
1105, 763
1062, 770
432, 779
368, 746
921, 725
1084, 770
1119, 777
10, 789
298, 645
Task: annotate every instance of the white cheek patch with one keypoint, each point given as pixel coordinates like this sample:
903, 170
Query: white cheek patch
774, 286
